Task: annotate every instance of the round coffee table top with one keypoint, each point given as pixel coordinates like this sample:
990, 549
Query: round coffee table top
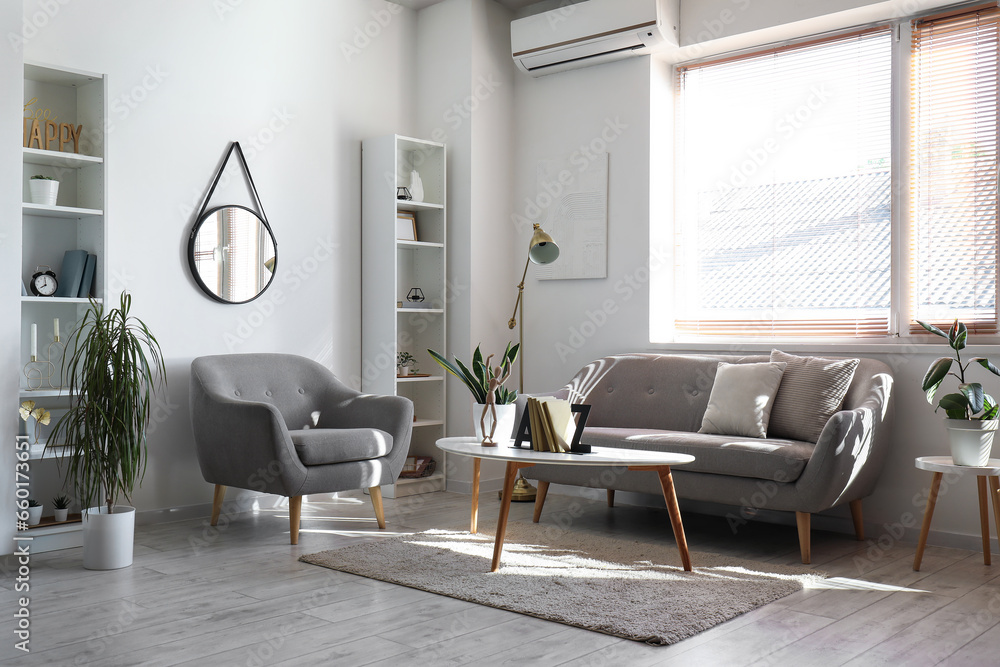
945, 464
599, 456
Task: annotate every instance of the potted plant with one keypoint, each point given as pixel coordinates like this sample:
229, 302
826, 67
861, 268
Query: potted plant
971, 413
34, 512
478, 380
405, 364
60, 505
44, 190
114, 370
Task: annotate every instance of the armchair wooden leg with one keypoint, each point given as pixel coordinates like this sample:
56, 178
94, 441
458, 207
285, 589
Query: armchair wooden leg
294, 516
802, 519
859, 520
376, 494
611, 497
220, 493
543, 488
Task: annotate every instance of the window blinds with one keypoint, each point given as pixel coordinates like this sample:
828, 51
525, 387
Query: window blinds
783, 215
953, 207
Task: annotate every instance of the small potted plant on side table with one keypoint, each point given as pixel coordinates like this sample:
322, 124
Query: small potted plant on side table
971, 413
60, 505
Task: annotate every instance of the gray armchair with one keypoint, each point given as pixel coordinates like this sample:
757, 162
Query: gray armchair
283, 424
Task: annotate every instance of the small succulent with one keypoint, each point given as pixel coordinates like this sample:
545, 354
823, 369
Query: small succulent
39, 177
33, 503
61, 502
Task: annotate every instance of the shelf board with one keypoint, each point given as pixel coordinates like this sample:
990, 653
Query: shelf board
38, 452
427, 422
418, 244
57, 299
59, 159
59, 75
45, 393
420, 310
415, 480
52, 529
433, 378
65, 212
50, 522
410, 205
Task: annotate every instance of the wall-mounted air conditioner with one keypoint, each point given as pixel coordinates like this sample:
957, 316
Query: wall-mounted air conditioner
592, 32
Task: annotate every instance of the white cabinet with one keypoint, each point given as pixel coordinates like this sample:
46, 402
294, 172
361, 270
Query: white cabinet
75, 103
395, 263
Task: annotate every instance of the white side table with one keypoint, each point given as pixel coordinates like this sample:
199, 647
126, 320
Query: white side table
986, 475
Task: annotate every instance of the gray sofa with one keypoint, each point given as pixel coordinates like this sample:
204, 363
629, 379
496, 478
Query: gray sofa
657, 401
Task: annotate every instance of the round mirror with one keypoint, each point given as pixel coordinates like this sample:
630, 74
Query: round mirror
232, 254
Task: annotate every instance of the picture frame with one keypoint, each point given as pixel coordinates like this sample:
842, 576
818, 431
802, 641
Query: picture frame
406, 226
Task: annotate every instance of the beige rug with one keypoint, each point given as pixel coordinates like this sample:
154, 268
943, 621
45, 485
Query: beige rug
620, 587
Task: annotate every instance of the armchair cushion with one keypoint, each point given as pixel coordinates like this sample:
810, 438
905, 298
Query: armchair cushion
320, 446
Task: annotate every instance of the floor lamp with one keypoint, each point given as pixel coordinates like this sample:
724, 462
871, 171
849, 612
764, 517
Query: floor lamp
541, 250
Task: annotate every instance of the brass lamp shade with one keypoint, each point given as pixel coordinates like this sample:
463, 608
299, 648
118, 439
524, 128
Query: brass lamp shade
542, 249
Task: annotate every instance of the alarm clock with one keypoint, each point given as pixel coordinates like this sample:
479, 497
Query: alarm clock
43, 282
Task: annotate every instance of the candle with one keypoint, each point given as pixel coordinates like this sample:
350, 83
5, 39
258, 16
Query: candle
34, 340
55, 325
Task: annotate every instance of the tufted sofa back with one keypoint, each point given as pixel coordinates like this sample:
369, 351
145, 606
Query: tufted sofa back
294, 385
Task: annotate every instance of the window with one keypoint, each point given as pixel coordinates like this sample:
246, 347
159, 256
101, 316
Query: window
786, 219
953, 208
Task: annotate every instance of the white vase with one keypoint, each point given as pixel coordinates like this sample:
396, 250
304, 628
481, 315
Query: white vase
971, 440
43, 191
60, 515
107, 538
505, 421
416, 186
35, 515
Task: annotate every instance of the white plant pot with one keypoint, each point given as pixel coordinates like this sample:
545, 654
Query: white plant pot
505, 421
60, 515
43, 192
971, 440
403, 371
35, 515
107, 538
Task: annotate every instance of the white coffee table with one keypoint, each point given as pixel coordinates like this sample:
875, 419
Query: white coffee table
986, 476
634, 459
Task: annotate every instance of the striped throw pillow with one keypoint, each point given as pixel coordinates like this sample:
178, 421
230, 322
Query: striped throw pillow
812, 389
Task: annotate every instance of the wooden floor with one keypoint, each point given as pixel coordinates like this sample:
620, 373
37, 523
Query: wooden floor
238, 596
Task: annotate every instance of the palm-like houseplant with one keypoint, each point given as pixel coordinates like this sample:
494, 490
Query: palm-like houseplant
971, 412
115, 369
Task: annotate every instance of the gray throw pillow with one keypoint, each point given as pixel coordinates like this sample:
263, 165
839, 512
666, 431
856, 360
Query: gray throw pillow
812, 390
741, 399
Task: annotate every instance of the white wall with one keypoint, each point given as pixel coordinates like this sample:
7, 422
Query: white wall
572, 322
299, 84
11, 82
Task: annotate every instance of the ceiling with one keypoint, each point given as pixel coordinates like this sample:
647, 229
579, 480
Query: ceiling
420, 4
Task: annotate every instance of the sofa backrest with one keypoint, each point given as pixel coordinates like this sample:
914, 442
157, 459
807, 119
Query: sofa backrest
669, 391
293, 384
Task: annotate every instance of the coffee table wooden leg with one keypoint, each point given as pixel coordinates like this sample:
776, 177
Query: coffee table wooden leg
984, 518
667, 484
474, 524
543, 488
928, 513
508, 490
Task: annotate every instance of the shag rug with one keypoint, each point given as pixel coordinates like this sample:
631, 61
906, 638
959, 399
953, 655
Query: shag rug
621, 587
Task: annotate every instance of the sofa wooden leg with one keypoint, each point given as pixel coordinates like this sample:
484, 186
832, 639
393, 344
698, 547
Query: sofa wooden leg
220, 493
543, 488
376, 494
611, 497
859, 520
294, 515
802, 519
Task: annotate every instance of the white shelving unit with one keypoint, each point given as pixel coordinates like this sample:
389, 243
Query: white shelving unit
77, 222
389, 269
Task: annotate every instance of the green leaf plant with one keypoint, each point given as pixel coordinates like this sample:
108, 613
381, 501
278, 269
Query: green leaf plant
478, 379
970, 402
115, 369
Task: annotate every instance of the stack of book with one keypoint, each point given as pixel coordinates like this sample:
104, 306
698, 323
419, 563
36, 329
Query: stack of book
551, 423
76, 279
